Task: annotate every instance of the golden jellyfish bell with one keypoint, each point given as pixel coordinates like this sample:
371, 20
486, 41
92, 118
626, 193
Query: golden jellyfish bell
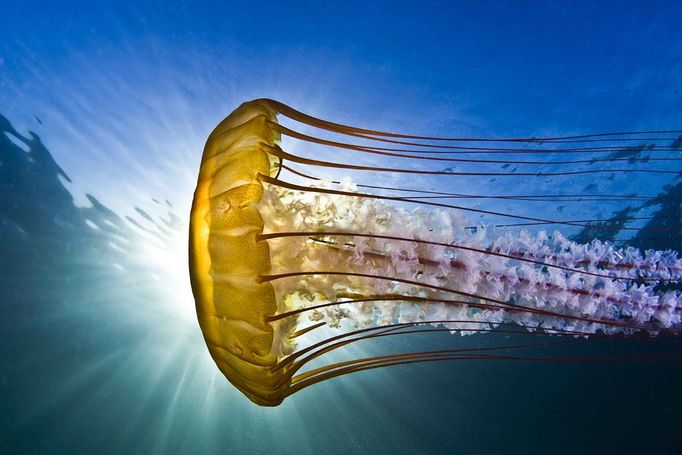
264, 251
226, 259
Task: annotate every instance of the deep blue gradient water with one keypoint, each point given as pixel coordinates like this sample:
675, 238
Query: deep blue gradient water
104, 110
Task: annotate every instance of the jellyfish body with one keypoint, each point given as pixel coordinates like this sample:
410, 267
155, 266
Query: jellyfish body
226, 259
267, 255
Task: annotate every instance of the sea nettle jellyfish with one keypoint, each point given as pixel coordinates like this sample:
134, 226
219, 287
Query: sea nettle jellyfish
288, 265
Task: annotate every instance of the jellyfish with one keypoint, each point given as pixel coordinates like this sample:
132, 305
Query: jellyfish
286, 243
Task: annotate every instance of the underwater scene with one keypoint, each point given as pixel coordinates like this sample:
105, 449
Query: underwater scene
428, 227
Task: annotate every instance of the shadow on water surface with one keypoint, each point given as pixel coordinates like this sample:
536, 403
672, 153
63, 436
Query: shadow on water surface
659, 232
65, 282
78, 312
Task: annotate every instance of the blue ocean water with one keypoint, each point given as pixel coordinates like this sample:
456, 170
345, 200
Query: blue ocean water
105, 109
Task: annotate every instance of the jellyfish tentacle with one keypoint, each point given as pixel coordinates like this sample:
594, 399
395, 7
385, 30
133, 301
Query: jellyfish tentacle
581, 222
401, 153
297, 360
406, 359
277, 151
675, 267
292, 186
471, 150
305, 330
294, 114
479, 196
497, 304
400, 329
